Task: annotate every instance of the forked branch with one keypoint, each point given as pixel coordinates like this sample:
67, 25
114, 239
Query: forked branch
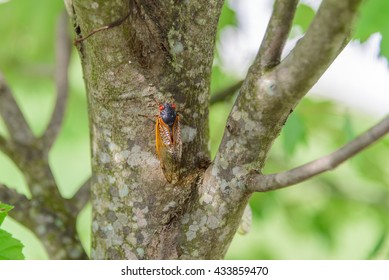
263, 183
277, 31
19, 201
63, 50
17, 126
81, 197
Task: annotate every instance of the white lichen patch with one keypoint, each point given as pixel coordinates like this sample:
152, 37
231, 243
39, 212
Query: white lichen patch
140, 218
268, 86
111, 179
121, 156
188, 133
195, 253
203, 221
223, 235
140, 252
236, 115
185, 219
171, 204
94, 5
123, 191
130, 255
215, 171
190, 235
224, 187
223, 162
202, 98
112, 146
104, 158
250, 125
193, 228
117, 239
95, 226
212, 222
145, 210
206, 198
177, 48
200, 21
238, 171
137, 157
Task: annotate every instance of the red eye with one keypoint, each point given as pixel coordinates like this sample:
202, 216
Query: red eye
161, 107
174, 106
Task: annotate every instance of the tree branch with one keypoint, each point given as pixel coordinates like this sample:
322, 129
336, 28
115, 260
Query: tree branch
225, 93
14, 120
63, 51
81, 197
5, 146
263, 183
20, 202
277, 31
323, 41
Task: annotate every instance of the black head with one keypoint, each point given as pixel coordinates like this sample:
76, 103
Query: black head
168, 113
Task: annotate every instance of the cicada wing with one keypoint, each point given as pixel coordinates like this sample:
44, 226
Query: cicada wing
167, 152
177, 142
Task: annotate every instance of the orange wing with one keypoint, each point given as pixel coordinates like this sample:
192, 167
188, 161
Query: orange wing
169, 148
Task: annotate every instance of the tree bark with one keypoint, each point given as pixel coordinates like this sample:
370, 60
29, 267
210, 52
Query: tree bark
163, 51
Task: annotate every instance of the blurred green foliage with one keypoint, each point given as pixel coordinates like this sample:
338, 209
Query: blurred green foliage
374, 18
337, 215
303, 17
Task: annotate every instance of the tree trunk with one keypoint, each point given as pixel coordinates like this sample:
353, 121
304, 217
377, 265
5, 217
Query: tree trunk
163, 52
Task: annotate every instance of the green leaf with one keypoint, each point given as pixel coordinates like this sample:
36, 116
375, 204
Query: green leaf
348, 128
374, 17
227, 17
294, 133
304, 16
10, 248
4, 209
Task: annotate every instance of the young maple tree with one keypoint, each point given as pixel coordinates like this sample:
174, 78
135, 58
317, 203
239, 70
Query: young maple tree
142, 51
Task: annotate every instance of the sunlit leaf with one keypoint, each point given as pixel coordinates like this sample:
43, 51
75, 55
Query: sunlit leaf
4, 209
374, 17
10, 248
303, 17
227, 17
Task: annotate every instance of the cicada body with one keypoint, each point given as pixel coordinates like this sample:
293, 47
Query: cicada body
168, 141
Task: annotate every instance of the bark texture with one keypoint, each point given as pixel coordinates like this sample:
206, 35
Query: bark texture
163, 51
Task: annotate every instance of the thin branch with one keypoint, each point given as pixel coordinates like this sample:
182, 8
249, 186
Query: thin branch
63, 51
277, 31
225, 93
21, 203
109, 26
14, 120
5, 146
263, 183
324, 40
81, 197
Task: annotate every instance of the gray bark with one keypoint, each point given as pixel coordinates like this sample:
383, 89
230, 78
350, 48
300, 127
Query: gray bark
164, 51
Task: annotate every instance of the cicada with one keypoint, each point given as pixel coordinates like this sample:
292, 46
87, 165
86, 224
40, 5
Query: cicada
168, 141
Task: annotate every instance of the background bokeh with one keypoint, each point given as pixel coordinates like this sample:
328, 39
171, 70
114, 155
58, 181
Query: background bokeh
341, 214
